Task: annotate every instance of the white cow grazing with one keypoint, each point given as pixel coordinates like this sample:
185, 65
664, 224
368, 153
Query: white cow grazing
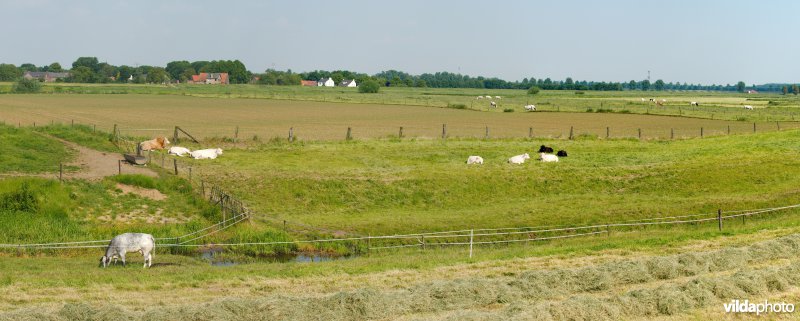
498, 97
475, 160
488, 97
643, 100
206, 153
519, 159
180, 151
694, 103
493, 104
530, 107
130, 242
544, 157
748, 107
479, 97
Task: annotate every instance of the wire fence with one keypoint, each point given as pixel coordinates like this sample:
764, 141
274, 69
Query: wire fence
464, 237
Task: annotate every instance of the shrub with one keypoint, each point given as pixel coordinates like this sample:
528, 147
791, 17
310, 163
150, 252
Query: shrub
27, 86
23, 200
579, 92
533, 90
457, 106
508, 110
369, 87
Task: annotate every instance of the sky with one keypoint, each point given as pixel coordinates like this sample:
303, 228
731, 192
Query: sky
706, 42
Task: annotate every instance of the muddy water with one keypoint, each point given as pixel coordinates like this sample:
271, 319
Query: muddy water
216, 257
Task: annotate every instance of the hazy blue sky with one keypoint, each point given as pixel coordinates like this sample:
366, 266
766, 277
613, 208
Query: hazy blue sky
613, 40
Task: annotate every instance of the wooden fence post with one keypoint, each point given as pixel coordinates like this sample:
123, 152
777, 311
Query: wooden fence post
423, 242
175, 165
203, 188
754, 127
72, 124
777, 123
119, 167
400, 134
61, 172
719, 218
672, 133
175, 135
608, 132
530, 132
190, 175
571, 136
369, 242
444, 131
701, 132
115, 133
94, 128
349, 134
236, 135
640, 133
729, 129
291, 134
471, 233
487, 132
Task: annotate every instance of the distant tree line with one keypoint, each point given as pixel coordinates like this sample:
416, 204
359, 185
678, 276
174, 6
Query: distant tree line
90, 70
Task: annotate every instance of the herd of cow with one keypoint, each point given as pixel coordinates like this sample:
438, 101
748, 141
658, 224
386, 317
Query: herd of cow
159, 143
545, 155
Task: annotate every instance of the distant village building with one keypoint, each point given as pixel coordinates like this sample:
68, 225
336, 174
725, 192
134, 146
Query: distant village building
45, 76
349, 83
310, 83
210, 78
752, 91
326, 82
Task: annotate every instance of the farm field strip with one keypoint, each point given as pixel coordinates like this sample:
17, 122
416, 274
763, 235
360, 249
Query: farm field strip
150, 115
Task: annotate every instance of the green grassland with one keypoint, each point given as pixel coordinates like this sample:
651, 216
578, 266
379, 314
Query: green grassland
400, 186
381, 184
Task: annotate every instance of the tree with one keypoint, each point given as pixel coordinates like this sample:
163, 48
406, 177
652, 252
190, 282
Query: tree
659, 85
26, 86
28, 67
90, 62
421, 83
369, 87
81, 74
645, 85
338, 77
533, 90
55, 67
569, 84
177, 68
795, 89
157, 75
740, 86
785, 90
632, 85
9, 72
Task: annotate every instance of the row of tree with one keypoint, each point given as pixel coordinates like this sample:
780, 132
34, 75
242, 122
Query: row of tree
90, 70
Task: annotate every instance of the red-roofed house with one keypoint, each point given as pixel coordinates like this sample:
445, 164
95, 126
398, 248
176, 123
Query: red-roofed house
311, 83
210, 78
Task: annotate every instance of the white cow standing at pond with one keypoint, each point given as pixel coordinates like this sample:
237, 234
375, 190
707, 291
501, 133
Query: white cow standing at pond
130, 242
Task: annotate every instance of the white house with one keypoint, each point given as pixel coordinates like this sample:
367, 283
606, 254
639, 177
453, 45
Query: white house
348, 83
327, 82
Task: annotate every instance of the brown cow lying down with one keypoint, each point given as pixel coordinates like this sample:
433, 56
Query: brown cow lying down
156, 143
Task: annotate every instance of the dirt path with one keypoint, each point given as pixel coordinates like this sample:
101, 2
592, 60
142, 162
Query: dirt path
96, 164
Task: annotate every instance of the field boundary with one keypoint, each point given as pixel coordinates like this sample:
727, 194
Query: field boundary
464, 237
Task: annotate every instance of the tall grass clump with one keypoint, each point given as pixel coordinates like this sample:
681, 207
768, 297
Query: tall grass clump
84, 135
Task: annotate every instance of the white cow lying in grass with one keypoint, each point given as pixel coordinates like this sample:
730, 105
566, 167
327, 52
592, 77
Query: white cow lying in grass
180, 151
530, 107
546, 158
519, 159
206, 153
475, 160
748, 107
130, 242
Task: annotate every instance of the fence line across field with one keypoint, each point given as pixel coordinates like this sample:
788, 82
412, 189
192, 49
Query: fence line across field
419, 238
